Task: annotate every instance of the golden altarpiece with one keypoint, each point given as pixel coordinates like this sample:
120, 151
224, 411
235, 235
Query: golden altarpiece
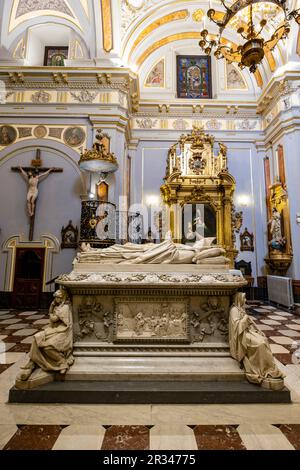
196, 177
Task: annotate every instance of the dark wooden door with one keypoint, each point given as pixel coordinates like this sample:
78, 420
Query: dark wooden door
28, 281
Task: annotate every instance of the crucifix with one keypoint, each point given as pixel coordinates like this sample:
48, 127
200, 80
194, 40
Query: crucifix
33, 175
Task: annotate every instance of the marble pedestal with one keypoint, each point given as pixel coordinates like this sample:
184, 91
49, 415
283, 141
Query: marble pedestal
149, 334
152, 322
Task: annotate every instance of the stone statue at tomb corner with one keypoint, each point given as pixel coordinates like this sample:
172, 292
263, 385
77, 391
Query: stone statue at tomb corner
52, 347
249, 345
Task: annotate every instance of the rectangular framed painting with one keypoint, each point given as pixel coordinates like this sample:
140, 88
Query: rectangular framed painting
194, 77
55, 56
198, 221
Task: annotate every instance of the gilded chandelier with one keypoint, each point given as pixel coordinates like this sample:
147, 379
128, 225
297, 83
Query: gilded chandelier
253, 23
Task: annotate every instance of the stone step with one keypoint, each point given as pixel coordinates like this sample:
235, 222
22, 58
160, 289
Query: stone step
138, 392
155, 368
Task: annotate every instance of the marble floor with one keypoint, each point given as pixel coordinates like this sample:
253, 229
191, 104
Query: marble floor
154, 427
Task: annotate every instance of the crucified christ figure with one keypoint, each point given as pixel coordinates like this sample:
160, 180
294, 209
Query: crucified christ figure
33, 180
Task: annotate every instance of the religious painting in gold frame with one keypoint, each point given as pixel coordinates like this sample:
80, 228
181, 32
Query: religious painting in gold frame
194, 77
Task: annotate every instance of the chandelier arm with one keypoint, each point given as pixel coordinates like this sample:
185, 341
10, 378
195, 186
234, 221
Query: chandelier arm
251, 53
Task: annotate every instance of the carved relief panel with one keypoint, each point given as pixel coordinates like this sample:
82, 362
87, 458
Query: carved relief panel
209, 319
148, 320
94, 320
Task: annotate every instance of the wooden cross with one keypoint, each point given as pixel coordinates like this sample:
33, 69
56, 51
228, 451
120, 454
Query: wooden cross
33, 175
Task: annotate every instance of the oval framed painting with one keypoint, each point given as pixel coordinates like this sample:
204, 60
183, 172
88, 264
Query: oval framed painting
74, 136
8, 135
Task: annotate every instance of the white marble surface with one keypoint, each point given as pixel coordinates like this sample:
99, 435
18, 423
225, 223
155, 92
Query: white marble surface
27, 340
296, 321
41, 322
278, 349
227, 414
10, 357
263, 437
4, 312
80, 437
276, 317
175, 437
28, 313
282, 339
293, 327
6, 317
181, 368
17, 326
264, 327
291, 333
261, 310
6, 433
25, 332
6, 346
2, 337
10, 321
271, 322
35, 317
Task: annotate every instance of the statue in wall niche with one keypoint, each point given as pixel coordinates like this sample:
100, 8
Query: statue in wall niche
249, 345
166, 252
277, 242
52, 347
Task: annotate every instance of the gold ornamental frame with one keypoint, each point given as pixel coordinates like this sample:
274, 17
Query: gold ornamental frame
194, 175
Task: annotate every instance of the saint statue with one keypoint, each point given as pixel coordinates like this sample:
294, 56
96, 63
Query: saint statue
51, 349
166, 252
33, 180
249, 345
277, 240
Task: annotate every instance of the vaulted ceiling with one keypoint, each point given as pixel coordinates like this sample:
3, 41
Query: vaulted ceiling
136, 33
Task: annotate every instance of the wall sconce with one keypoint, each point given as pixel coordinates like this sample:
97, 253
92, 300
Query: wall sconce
243, 200
298, 218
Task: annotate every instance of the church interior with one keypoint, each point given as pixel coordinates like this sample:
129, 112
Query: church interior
150, 225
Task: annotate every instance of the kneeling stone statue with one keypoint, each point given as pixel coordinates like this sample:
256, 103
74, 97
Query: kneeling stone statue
52, 348
249, 345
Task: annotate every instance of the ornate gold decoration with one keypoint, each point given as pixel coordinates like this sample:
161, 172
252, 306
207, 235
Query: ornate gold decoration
198, 15
22, 11
98, 158
242, 16
179, 37
280, 245
40, 132
175, 16
107, 27
195, 175
246, 239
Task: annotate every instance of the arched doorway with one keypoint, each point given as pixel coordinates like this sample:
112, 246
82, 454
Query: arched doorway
28, 282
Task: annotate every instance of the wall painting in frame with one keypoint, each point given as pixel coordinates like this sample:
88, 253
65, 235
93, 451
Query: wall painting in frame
55, 56
194, 77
